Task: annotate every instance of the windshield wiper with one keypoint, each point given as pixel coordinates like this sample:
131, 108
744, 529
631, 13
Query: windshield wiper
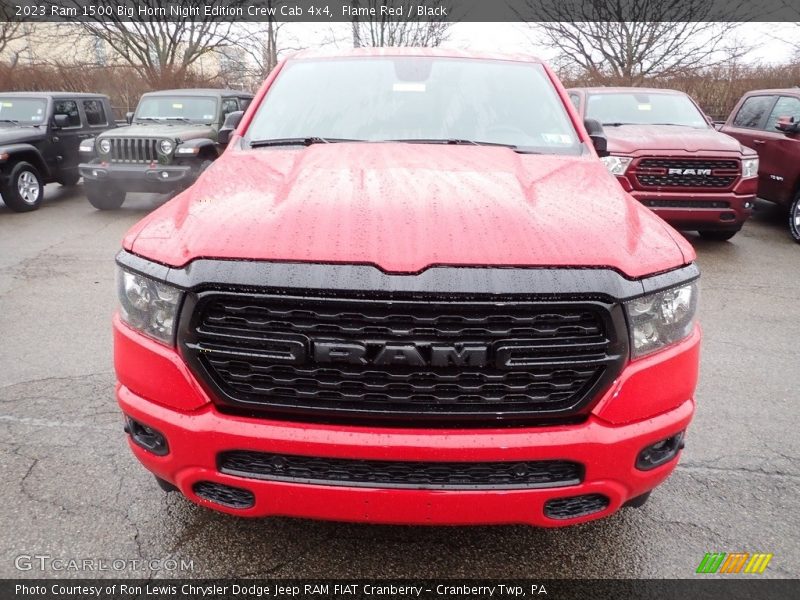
13, 121
618, 124
138, 119
465, 142
298, 141
184, 119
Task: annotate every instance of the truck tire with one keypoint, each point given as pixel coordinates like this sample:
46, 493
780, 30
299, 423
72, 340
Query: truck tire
69, 178
104, 198
25, 188
794, 218
717, 235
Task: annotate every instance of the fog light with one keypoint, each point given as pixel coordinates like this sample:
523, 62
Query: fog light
660, 453
146, 437
749, 204
164, 174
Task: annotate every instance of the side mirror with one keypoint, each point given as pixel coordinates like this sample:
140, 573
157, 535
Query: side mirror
597, 135
60, 121
787, 125
129, 117
229, 126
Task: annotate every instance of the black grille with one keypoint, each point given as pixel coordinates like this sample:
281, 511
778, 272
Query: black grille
133, 150
225, 495
708, 173
576, 506
397, 474
687, 203
257, 352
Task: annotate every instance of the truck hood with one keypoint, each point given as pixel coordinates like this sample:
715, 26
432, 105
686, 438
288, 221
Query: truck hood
406, 207
21, 135
630, 139
180, 131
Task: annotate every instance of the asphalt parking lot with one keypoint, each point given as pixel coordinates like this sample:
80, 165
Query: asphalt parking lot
72, 490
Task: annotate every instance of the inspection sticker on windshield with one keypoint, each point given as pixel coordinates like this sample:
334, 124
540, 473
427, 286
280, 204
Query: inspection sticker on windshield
645, 107
556, 138
176, 105
8, 104
408, 87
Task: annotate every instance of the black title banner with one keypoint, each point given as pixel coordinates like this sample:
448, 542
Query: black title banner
331, 11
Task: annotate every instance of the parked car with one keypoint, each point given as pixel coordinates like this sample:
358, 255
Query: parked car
666, 154
171, 139
40, 133
401, 295
769, 122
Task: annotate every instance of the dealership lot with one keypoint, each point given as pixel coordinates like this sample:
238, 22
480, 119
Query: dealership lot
72, 490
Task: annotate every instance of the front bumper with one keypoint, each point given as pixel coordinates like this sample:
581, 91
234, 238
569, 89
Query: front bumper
651, 401
697, 210
139, 177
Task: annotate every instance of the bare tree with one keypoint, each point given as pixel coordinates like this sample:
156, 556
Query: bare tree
624, 42
162, 51
10, 31
387, 28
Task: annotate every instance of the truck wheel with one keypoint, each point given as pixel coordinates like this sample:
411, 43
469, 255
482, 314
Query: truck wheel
717, 235
25, 189
638, 502
69, 178
794, 218
104, 198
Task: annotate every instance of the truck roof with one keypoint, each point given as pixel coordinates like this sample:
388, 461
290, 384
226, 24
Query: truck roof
791, 90
199, 92
54, 94
315, 53
612, 89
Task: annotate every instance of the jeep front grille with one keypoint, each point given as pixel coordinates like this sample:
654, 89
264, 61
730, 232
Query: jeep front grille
523, 474
676, 173
356, 358
133, 150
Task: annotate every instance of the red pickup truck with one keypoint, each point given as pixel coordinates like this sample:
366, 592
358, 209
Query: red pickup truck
403, 296
666, 154
769, 122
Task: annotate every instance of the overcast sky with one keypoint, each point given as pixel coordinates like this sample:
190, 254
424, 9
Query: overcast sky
516, 37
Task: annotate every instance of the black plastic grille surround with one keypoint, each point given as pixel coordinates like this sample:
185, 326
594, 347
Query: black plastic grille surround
225, 495
534, 474
575, 506
655, 172
535, 359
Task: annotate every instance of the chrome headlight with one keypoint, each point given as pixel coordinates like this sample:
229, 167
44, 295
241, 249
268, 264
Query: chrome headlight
749, 167
166, 146
147, 305
661, 319
104, 145
617, 165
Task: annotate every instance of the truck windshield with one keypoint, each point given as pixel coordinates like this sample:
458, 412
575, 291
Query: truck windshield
22, 111
195, 109
634, 108
416, 99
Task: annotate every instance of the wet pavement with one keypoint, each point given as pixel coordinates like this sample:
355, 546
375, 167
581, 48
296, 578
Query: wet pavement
72, 490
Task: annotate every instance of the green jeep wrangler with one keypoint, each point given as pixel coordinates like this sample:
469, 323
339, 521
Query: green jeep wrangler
169, 141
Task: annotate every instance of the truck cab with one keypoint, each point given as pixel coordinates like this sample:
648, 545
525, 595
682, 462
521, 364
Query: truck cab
40, 134
665, 152
769, 122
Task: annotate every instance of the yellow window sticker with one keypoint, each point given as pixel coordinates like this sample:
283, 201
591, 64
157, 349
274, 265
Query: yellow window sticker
177, 105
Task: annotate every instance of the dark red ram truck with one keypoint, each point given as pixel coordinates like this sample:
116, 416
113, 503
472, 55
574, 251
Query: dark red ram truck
666, 153
769, 122
403, 296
